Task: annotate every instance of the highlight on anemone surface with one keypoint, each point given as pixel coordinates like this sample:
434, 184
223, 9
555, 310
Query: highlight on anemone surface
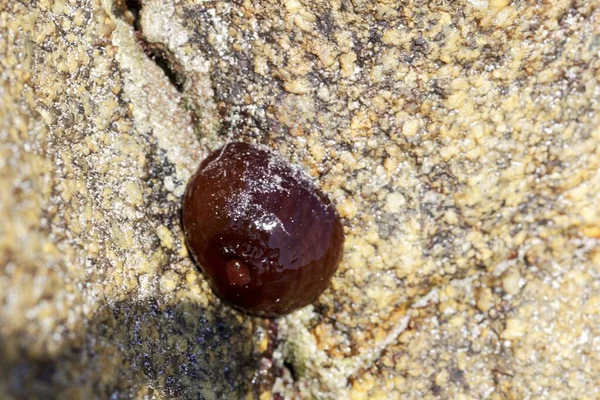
266, 237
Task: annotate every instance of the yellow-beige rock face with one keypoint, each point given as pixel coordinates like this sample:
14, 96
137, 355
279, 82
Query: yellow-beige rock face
459, 139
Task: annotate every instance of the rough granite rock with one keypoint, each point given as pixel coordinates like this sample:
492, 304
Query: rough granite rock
459, 139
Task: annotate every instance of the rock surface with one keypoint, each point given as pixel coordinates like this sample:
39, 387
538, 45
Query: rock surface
459, 140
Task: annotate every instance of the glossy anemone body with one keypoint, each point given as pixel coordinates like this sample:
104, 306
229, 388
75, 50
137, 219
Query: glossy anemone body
266, 237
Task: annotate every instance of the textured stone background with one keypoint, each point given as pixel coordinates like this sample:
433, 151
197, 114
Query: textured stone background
458, 138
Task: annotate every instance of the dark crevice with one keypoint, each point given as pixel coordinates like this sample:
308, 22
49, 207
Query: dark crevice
129, 11
292, 370
161, 59
134, 7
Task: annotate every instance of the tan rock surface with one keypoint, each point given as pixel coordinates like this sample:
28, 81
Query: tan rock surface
459, 139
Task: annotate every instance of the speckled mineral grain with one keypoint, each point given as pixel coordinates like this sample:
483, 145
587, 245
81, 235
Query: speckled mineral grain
460, 140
